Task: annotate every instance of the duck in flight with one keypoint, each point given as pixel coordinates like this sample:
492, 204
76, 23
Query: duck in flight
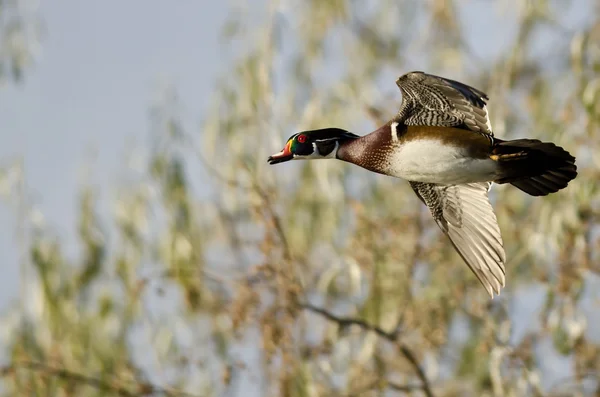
441, 142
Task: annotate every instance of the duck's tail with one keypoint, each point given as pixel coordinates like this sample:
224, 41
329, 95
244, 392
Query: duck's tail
537, 168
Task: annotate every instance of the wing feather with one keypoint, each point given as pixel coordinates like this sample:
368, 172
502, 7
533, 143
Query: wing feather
465, 215
433, 100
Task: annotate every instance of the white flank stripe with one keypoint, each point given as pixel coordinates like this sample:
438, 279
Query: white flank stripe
394, 127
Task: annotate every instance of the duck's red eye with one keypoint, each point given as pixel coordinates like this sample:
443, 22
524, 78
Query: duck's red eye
301, 138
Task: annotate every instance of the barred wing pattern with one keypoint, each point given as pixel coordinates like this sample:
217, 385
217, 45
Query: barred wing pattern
465, 215
438, 101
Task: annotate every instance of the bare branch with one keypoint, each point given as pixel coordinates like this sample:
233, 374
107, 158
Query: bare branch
404, 388
345, 322
382, 385
391, 336
139, 390
275, 218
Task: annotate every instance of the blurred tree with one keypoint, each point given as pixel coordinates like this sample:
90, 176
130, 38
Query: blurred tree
318, 278
19, 35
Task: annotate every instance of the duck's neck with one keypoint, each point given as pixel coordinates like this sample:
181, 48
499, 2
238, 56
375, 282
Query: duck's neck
364, 151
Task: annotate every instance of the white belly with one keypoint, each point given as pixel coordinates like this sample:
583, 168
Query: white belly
431, 161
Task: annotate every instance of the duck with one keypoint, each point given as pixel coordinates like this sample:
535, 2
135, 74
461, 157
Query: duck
441, 142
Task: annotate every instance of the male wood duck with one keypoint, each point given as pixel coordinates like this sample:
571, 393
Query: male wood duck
441, 141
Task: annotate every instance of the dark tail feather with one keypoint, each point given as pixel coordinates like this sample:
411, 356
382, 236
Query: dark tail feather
537, 168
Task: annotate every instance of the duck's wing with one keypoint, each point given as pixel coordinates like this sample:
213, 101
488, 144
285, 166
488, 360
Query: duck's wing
465, 214
438, 101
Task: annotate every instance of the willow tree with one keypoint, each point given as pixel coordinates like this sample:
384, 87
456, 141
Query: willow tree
219, 275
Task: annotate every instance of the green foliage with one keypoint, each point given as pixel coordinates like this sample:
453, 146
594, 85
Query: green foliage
216, 293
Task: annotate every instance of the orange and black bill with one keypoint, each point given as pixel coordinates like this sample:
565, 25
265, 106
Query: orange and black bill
284, 155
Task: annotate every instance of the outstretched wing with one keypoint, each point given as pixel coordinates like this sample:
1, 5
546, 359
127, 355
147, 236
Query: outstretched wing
465, 214
437, 101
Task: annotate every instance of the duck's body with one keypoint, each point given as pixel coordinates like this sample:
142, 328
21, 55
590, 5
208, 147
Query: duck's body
427, 154
441, 141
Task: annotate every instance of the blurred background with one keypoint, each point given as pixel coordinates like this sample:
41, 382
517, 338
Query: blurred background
148, 248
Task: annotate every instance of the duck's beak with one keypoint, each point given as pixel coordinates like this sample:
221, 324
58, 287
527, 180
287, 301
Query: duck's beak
284, 155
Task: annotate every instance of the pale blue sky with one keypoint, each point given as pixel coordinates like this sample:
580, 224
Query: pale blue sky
100, 65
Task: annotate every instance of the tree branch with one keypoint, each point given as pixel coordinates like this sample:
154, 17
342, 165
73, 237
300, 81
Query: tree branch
345, 322
276, 220
390, 336
140, 390
405, 388
382, 385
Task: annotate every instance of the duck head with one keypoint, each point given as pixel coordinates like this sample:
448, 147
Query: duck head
313, 144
